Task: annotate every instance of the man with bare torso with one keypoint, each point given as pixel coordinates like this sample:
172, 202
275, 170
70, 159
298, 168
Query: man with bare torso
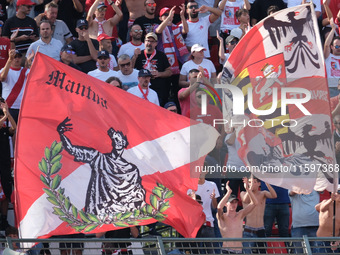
325, 209
99, 24
254, 222
231, 222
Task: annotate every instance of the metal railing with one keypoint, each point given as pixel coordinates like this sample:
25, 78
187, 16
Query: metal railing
163, 246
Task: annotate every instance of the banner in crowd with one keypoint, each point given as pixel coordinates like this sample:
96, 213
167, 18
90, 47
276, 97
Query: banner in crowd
277, 100
91, 157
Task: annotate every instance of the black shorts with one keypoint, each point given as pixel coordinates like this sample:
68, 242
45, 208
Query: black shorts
71, 245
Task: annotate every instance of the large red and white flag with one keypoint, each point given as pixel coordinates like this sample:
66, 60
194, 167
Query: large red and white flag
91, 157
278, 101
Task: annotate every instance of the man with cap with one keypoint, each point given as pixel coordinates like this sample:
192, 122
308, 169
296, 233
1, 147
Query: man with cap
13, 75
105, 43
26, 26
199, 27
46, 44
135, 46
66, 56
85, 48
157, 63
231, 222
148, 21
99, 24
103, 72
60, 30
127, 74
142, 90
171, 106
230, 43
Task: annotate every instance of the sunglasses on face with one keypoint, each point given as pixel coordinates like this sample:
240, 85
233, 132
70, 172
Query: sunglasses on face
336, 123
172, 110
138, 30
70, 52
337, 46
151, 5
101, 9
101, 58
83, 27
126, 64
18, 56
233, 42
28, 6
193, 6
166, 14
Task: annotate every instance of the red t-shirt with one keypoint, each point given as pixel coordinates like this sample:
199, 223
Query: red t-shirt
5, 46
213, 112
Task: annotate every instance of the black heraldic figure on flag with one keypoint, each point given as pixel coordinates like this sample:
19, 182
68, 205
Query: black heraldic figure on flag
299, 44
115, 184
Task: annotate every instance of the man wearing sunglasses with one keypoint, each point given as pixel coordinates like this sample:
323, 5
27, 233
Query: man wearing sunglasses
332, 60
28, 30
85, 48
66, 56
127, 74
135, 46
199, 27
148, 21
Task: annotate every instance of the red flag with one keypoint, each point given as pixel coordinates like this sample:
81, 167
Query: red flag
91, 157
280, 104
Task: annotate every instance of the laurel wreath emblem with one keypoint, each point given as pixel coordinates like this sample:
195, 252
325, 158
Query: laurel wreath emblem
80, 220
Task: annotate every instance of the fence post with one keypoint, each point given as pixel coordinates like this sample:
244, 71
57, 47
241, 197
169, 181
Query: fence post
161, 245
307, 245
9, 242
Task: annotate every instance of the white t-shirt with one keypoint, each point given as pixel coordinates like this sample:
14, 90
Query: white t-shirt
204, 191
209, 3
207, 65
333, 70
129, 81
103, 76
8, 84
228, 17
152, 95
291, 3
198, 33
129, 49
112, 63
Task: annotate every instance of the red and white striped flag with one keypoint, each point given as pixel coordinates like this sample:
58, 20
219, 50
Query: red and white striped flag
91, 157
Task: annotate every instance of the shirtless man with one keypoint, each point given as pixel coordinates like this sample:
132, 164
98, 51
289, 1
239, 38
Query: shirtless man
325, 209
231, 222
254, 223
99, 25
